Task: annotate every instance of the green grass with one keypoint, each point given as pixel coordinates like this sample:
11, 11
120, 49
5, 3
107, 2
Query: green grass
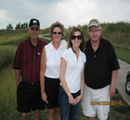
8, 106
44, 31
121, 40
123, 54
12, 37
8, 95
7, 53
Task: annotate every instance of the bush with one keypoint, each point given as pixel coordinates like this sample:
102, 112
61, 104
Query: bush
7, 54
117, 27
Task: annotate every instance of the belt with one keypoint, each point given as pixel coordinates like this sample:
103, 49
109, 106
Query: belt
32, 83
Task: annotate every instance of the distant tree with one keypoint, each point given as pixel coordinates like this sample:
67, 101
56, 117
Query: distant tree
24, 25
21, 26
9, 27
18, 26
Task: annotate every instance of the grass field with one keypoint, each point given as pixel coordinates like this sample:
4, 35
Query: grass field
123, 54
8, 37
7, 53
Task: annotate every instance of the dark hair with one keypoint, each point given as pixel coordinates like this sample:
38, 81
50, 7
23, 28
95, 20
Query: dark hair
83, 43
57, 24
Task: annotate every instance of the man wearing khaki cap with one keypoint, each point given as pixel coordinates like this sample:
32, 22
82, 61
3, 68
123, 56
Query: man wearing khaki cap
100, 74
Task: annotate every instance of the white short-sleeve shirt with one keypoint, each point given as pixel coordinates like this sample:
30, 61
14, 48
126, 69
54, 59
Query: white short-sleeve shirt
73, 69
53, 59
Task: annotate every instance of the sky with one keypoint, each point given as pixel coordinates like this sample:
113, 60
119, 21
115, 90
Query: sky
68, 12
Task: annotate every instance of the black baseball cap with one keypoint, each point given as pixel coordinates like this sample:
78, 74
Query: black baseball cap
34, 22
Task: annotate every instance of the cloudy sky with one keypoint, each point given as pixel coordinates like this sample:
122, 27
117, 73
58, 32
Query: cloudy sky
68, 12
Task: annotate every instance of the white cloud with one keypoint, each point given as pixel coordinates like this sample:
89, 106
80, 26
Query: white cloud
68, 12
5, 18
3, 15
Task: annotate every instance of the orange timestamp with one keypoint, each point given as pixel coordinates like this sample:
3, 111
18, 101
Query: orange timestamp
106, 103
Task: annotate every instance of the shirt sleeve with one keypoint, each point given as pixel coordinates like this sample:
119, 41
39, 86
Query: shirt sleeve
65, 55
17, 59
113, 61
84, 58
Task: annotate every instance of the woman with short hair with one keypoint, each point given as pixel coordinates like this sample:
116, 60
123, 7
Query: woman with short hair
50, 70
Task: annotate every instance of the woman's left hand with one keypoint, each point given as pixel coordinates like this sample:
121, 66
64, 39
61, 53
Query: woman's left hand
77, 99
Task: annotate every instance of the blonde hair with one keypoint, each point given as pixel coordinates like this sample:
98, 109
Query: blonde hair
57, 24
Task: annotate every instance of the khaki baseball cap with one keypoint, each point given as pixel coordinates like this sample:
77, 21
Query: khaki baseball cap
94, 22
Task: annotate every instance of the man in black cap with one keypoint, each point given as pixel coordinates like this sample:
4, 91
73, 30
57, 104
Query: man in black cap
27, 65
100, 74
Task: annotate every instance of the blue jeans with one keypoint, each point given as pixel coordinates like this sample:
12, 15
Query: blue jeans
68, 112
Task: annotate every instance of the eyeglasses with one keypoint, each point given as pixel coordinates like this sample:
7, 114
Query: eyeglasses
59, 33
36, 29
94, 31
74, 37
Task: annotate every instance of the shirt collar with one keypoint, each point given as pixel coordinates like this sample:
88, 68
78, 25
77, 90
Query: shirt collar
71, 51
90, 46
38, 42
52, 47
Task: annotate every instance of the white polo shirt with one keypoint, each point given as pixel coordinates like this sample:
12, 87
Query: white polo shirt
53, 59
73, 69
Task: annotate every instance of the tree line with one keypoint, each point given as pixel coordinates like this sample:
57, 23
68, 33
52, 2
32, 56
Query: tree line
18, 26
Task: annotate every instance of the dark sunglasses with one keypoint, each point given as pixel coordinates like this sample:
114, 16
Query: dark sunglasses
74, 37
57, 33
36, 29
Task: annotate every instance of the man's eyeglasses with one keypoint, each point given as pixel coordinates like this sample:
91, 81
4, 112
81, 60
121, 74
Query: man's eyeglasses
36, 29
59, 33
79, 37
94, 31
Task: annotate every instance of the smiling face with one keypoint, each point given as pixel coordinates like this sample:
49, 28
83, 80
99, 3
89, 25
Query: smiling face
76, 39
94, 33
34, 32
57, 34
